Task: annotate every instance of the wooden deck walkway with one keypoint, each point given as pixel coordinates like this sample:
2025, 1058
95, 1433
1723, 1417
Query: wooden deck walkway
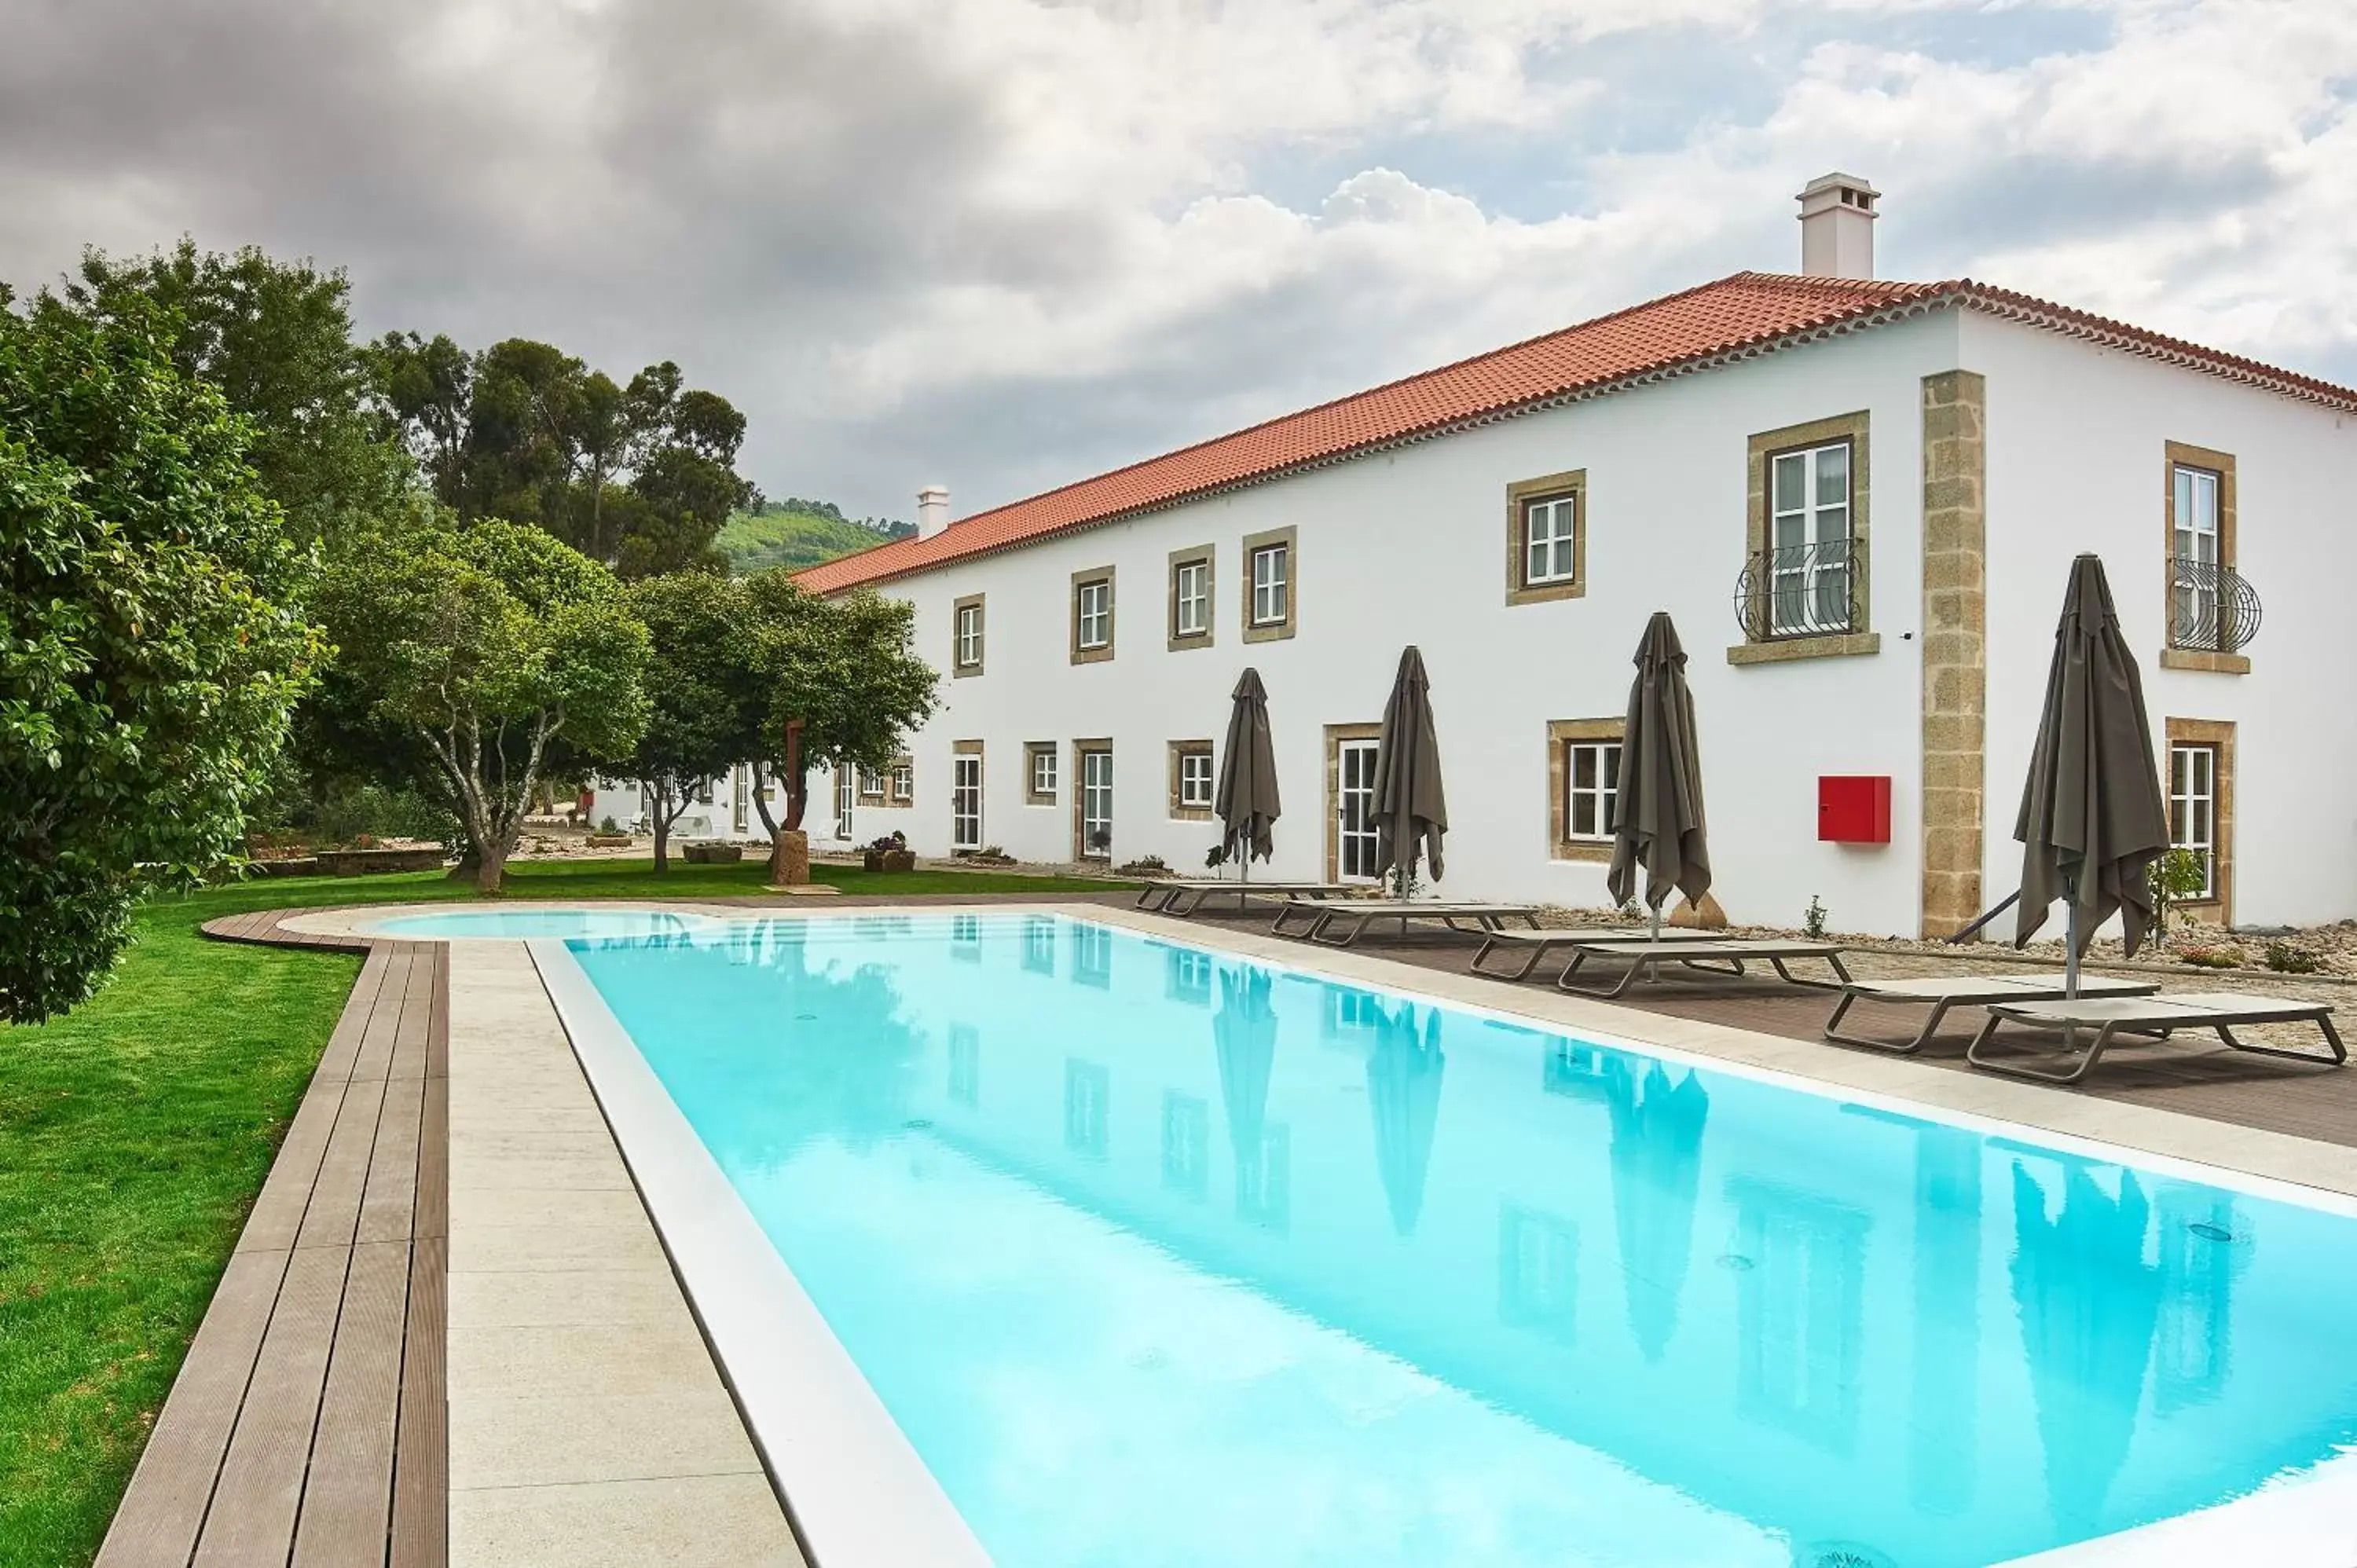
309, 1425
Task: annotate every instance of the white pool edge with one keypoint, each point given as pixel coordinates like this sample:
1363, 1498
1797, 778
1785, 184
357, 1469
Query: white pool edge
856, 1491
836, 1447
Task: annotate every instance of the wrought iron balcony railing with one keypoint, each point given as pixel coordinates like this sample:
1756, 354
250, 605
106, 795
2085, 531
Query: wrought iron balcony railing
2212, 609
1806, 590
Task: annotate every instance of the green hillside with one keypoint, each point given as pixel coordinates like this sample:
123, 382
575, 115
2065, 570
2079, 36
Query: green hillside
796, 534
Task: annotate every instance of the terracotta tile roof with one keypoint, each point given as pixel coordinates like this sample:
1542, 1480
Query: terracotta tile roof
1734, 318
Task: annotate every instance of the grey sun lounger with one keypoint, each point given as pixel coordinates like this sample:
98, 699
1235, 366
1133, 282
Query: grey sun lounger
1351, 916
2217, 1011
1535, 945
1185, 895
1940, 992
1643, 958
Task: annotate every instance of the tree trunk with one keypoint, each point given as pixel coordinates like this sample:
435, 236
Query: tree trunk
470, 865
490, 876
662, 843
761, 805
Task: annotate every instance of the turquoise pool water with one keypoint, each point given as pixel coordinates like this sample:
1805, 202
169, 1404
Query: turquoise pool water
1160, 1257
524, 925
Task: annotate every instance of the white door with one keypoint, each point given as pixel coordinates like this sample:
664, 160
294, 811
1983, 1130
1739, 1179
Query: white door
965, 802
1097, 805
1354, 810
741, 796
843, 799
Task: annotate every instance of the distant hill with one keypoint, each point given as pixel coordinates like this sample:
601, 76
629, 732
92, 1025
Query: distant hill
796, 534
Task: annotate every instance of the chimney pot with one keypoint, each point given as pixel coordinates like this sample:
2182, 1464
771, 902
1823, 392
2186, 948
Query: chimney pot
1837, 227
932, 510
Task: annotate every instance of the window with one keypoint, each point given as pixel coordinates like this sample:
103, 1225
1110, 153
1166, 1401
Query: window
1039, 944
2205, 597
1269, 583
1092, 615
965, 653
965, 796
703, 792
1546, 541
1087, 1090
1039, 773
1191, 597
1583, 787
1185, 1144
842, 802
1190, 780
2193, 808
904, 782
1095, 803
871, 786
1804, 587
1189, 978
965, 1066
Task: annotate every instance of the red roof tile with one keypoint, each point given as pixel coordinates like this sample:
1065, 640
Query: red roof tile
1733, 318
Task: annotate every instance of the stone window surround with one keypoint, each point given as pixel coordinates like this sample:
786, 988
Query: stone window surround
1855, 429
892, 800
1080, 749
1179, 814
1519, 496
1208, 557
2176, 454
959, 669
1031, 794
2219, 733
1560, 732
1082, 579
1273, 631
1335, 736
874, 796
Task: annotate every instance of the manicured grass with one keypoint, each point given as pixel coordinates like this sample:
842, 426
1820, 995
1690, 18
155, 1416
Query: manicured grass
135, 1134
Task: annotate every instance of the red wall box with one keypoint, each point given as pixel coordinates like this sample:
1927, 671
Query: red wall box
1853, 808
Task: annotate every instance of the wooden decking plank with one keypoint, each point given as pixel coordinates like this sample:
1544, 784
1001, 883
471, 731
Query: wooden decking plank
437, 1037
344, 1044
333, 1217
416, 1021
277, 1214
253, 1515
164, 1508
348, 1497
432, 1214
389, 1197
375, 1056
421, 1470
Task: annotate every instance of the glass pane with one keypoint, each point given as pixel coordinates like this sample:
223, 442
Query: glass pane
1833, 532
1540, 568
2184, 498
1792, 533
1792, 482
1583, 816
1583, 767
1612, 766
1833, 476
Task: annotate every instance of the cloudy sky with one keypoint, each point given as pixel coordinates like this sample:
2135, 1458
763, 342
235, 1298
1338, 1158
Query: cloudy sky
1001, 244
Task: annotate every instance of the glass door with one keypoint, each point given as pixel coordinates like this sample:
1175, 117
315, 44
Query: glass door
1354, 810
965, 802
1097, 805
843, 799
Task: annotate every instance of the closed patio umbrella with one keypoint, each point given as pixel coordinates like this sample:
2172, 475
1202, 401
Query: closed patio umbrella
2093, 820
1411, 813
1657, 1133
1403, 1072
1657, 820
1246, 803
1243, 1033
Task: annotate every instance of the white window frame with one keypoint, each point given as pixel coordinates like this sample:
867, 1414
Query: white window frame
969, 637
1603, 798
1354, 810
871, 784
1093, 610
1043, 775
903, 782
1192, 595
966, 800
844, 799
2196, 537
1195, 779
1558, 547
1798, 592
1096, 802
2193, 806
1271, 600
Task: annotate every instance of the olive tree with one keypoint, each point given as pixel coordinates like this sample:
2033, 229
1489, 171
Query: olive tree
702, 718
489, 646
152, 638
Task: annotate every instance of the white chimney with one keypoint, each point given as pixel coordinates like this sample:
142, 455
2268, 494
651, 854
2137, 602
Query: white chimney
932, 510
1837, 227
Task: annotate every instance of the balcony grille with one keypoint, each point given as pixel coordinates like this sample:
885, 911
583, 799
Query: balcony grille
1806, 590
2212, 609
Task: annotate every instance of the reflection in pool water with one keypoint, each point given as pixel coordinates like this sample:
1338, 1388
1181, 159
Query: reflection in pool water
1161, 1257
525, 924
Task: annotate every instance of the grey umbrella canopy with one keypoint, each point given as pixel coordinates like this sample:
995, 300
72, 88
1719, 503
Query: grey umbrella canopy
1243, 1033
1411, 812
1246, 803
1657, 821
1657, 1134
2092, 819
1403, 1073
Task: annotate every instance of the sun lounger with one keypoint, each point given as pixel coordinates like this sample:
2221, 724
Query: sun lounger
1535, 945
1699, 952
1182, 895
2216, 1011
1941, 993
1351, 916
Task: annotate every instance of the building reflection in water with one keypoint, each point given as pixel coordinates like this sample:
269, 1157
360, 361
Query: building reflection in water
1404, 1071
1945, 1399
1800, 1310
2204, 1251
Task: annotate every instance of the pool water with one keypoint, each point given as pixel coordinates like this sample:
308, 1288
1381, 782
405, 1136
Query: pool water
1161, 1257
524, 925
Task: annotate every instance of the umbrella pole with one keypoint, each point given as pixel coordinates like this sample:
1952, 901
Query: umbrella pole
2070, 951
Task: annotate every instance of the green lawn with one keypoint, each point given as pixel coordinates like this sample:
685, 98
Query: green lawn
135, 1134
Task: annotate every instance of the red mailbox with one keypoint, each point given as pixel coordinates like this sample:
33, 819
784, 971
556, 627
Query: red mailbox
1853, 808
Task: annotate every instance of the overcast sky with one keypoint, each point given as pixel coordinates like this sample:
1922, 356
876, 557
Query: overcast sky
1001, 244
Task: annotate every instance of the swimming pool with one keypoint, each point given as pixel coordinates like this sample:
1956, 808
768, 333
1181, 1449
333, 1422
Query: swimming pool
1155, 1256
525, 924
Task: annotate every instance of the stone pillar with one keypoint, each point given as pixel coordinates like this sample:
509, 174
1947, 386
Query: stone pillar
1955, 646
790, 858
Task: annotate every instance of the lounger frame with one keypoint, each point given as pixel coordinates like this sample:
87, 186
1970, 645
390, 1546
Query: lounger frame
1181, 899
2218, 1020
1650, 957
1999, 990
1355, 915
1537, 945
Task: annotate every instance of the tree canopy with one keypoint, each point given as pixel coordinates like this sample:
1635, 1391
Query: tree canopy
847, 668
152, 645
487, 647
639, 476
704, 713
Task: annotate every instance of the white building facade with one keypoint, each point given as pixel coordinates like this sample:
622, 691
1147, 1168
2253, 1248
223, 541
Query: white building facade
1858, 501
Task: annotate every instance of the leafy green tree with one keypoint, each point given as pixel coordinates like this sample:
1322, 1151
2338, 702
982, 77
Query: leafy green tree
847, 668
493, 651
152, 645
700, 685
276, 339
